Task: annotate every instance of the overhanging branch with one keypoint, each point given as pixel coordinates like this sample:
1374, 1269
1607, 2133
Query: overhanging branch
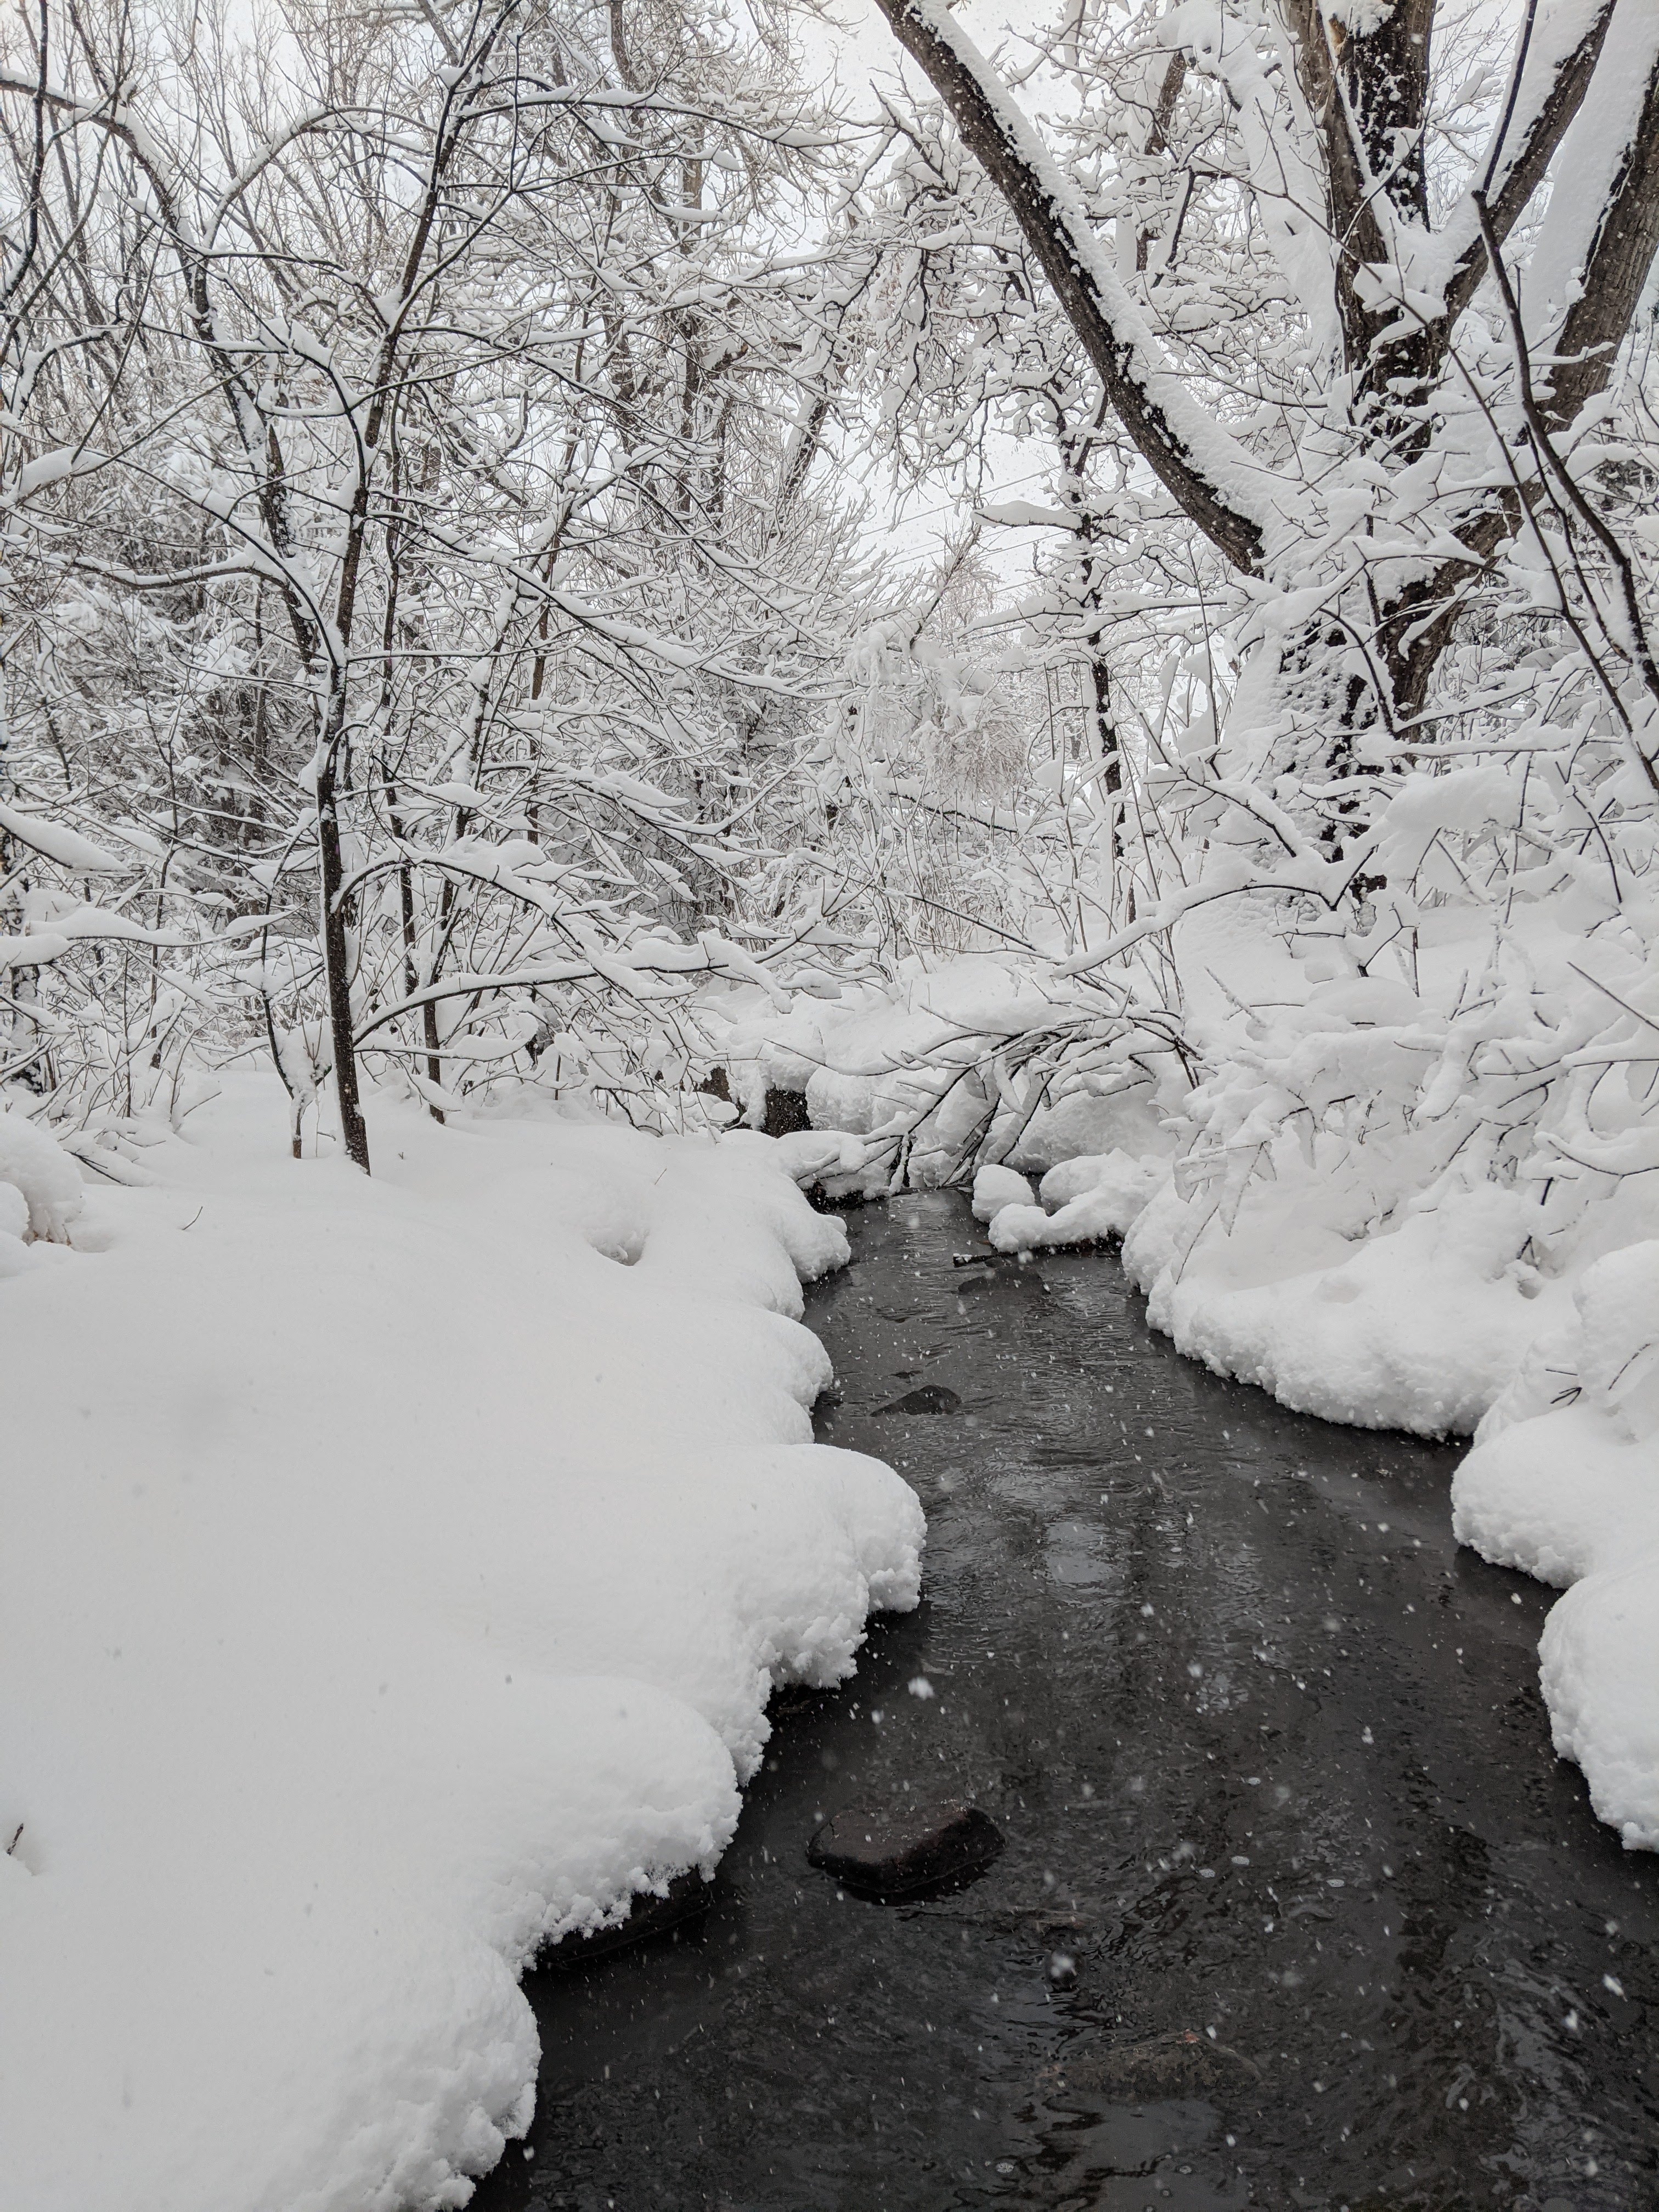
1179, 442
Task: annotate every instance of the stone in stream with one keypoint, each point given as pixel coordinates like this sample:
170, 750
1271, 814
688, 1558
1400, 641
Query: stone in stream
688, 1895
932, 1398
1161, 2069
894, 1851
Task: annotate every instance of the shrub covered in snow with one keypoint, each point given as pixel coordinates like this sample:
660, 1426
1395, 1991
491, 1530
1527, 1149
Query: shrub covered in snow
42, 1175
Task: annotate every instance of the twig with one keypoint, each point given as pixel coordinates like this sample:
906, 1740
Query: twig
1638, 650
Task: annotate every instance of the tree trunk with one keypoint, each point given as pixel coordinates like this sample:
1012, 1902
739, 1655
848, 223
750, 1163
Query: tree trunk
337, 966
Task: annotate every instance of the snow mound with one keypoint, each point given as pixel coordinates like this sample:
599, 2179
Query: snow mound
416, 1562
1416, 1328
995, 1187
909, 1057
44, 1176
835, 1160
1083, 1125
14, 1212
1098, 1195
1564, 1483
857, 1055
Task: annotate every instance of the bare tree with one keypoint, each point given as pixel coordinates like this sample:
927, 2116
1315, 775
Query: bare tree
403, 455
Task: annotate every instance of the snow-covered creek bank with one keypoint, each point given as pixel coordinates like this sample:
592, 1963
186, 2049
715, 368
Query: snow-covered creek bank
394, 1576
1267, 1750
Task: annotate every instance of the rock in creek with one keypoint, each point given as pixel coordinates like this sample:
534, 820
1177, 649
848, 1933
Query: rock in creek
932, 1398
688, 1895
893, 1851
1162, 2069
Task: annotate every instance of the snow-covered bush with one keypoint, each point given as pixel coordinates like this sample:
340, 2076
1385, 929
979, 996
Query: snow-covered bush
437, 681
40, 1192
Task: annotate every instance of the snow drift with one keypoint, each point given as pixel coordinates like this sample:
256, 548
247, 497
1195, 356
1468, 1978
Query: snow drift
395, 1576
1564, 1483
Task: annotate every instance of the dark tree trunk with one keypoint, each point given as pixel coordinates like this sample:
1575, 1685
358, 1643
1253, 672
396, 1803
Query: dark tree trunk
336, 961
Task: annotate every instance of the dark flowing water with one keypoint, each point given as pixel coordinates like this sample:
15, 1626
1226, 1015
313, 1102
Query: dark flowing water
1270, 1759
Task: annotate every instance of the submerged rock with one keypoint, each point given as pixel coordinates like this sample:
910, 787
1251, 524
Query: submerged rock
688, 1896
1161, 2068
930, 1398
892, 1851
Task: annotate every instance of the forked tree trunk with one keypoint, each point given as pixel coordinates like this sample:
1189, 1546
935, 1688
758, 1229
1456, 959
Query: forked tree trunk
1368, 92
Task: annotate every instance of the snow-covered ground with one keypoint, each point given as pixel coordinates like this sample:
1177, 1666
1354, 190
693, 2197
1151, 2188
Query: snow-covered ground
395, 1575
396, 1571
1401, 1205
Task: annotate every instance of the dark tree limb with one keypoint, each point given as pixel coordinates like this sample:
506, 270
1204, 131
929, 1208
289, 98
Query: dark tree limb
1069, 258
1515, 171
1636, 644
1368, 94
1615, 269
1582, 354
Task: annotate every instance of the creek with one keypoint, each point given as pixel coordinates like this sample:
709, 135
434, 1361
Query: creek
1296, 1909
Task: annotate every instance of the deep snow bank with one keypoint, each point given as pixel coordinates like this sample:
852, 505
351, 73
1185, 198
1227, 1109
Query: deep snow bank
1563, 1483
395, 1574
